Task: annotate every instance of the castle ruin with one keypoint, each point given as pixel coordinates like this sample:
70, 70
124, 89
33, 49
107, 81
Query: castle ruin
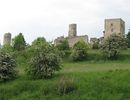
72, 36
114, 26
7, 39
111, 26
72, 30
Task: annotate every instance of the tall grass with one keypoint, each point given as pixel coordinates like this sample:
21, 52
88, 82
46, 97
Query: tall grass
90, 86
95, 79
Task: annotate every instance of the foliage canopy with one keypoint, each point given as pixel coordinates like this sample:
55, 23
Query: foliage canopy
7, 66
19, 42
128, 39
44, 62
112, 46
79, 51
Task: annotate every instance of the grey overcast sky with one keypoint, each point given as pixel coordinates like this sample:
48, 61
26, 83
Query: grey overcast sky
50, 18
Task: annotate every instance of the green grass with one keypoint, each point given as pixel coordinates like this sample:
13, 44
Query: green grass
95, 79
90, 86
94, 67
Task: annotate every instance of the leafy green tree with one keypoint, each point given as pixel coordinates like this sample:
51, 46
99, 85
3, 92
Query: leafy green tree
79, 51
7, 48
128, 39
112, 46
63, 45
7, 67
19, 42
39, 41
45, 62
31, 49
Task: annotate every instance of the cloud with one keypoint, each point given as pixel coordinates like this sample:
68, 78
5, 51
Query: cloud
50, 18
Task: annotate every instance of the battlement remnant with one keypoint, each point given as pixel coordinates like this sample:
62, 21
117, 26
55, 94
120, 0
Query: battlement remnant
7, 39
72, 30
114, 26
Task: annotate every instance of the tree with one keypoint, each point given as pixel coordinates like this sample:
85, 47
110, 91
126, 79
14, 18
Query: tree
7, 48
19, 42
128, 39
7, 66
31, 49
79, 51
44, 62
112, 46
39, 41
63, 45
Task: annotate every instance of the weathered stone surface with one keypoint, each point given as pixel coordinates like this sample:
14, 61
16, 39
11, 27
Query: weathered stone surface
93, 40
72, 36
72, 30
114, 26
7, 39
57, 41
73, 40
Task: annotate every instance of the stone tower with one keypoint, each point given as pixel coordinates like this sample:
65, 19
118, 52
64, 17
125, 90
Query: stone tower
72, 30
114, 26
7, 38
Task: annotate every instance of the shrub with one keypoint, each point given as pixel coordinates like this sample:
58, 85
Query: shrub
7, 48
63, 45
39, 41
112, 46
7, 66
79, 51
128, 39
31, 49
65, 85
95, 45
45, 62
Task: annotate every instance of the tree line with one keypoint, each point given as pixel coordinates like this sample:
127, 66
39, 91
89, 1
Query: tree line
45, 58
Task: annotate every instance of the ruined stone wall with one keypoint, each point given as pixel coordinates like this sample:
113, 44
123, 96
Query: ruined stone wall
57, 41
75, 39
114, 26
72, 36
93, 40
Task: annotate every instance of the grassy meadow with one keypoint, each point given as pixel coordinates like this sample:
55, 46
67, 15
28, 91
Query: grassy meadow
94, 79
